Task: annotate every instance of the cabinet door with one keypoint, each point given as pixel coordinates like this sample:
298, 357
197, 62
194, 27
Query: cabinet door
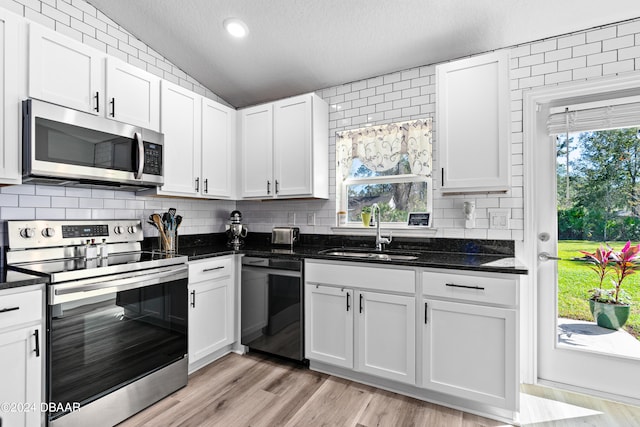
64, 71
473, 123
180, 122
133, 95
211, 316
292, 146
386, 336
257, 151
21, 372
329, 325
10, 97
218, 138
470, 351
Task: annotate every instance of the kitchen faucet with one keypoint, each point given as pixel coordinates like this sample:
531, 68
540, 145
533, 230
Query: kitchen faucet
380, 241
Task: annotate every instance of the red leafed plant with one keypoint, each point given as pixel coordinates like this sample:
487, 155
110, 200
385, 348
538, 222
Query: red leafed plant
623, 265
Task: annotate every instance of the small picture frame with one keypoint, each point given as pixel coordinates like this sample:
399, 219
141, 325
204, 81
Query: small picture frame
419, 219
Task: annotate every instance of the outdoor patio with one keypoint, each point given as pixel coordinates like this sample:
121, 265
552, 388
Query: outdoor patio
591, 337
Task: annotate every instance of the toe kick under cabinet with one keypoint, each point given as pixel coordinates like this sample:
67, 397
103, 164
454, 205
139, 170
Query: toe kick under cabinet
446, 336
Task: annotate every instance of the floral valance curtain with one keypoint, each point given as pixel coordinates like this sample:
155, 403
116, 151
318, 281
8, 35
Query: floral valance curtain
380, 147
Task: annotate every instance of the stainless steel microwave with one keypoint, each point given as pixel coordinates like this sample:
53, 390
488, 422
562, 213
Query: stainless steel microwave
66, 147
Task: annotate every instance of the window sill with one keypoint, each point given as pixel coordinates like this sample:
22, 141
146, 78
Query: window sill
397, 230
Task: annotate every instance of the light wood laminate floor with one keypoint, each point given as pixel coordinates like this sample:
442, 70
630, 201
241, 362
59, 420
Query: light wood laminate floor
255, 390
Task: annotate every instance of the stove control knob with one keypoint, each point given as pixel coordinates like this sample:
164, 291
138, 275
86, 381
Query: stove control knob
132, 229
48, 232
118, 229
27, 233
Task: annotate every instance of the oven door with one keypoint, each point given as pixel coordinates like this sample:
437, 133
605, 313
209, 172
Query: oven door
64, 144
106, 333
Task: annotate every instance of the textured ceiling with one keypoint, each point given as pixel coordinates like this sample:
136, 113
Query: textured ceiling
297, 46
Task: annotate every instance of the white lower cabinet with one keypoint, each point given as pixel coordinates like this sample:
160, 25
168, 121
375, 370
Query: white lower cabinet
370, 332
211, 307
329, 325
386, 336
470, 351
21, 357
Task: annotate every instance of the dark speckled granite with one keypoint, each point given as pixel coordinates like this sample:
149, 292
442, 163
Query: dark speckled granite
13, 279
460, 254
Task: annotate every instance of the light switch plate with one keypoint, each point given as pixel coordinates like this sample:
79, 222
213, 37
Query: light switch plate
499, 219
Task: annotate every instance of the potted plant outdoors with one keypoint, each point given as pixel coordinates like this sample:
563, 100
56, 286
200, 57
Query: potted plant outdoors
611, 307
366, 215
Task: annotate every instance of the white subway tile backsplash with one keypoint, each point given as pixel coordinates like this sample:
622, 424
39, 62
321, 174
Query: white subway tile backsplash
27, 201
17, 213
50, 213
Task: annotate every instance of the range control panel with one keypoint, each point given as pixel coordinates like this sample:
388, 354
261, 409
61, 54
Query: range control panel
42, 233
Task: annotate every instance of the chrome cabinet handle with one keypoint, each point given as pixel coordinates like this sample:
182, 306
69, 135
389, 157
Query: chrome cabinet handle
138, 137
5, 310
453, 285
97, 98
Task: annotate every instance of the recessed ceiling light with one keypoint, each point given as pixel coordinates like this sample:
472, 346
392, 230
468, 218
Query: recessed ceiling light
236, 27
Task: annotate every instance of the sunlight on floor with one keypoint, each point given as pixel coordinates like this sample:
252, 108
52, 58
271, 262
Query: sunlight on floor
535, 409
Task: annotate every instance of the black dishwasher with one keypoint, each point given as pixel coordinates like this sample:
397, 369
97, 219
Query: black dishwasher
272, 306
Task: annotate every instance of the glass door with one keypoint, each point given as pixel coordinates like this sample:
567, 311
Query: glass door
585, 189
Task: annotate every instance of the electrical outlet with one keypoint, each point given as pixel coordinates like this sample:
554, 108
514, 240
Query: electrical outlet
292, 218
499, 219
311, 218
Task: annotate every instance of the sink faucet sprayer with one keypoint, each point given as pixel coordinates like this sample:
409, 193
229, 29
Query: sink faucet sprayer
380, 241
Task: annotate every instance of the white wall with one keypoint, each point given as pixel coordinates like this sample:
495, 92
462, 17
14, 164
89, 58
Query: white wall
410, 94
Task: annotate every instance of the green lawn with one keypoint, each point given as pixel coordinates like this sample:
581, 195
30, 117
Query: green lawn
575, 279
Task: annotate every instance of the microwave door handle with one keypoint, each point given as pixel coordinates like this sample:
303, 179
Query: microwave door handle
138, 137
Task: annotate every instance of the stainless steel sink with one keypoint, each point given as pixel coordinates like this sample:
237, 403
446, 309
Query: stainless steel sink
374, 255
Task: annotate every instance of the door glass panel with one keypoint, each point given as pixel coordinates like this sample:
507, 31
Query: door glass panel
598, 203
101, 343
68, 144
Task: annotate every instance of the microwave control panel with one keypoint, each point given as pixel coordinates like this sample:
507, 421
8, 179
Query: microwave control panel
152, 158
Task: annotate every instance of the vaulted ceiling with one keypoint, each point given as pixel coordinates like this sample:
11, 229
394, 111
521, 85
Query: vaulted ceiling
297, 46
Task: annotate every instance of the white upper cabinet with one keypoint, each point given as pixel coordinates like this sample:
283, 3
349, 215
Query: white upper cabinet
285, 149
11, 81
180, 123
132, 95
257, 151
64, 71
473, 123
218, 144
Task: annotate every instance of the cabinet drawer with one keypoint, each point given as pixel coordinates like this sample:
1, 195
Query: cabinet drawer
484, 289
23, 307
210, 269
369, 276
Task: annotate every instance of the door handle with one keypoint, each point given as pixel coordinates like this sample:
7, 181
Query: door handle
197, 184
36, 334
360, 303
206, 185
425, 313
268, 187
113, 107
193, 299
97, 97
544, 256
348, 301
277, 187
138, 137
5, 310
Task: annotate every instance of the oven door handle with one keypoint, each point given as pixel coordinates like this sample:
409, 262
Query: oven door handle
90, 288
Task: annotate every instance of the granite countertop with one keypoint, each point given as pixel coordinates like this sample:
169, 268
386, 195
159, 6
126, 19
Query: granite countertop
496, 263
13, 279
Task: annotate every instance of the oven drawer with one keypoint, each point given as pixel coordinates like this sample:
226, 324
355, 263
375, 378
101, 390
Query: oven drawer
19, 308
210, 269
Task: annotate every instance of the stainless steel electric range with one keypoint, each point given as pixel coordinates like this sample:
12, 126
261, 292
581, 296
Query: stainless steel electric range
116, 316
